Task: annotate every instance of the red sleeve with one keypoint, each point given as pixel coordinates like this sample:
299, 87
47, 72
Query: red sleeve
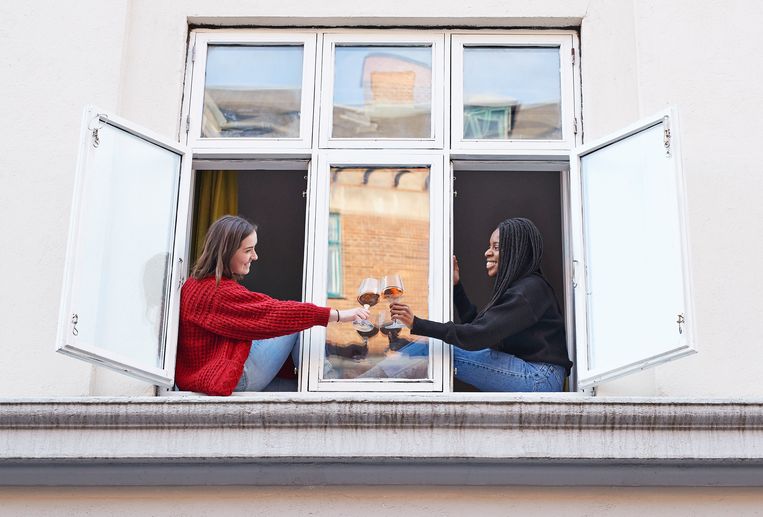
238, 313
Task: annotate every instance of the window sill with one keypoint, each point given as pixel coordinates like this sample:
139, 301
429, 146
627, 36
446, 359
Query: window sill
479, 439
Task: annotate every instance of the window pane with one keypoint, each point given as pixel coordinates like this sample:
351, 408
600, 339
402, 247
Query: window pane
633, 250
252, 91
124, 255
382, 92
512, 93
383, 214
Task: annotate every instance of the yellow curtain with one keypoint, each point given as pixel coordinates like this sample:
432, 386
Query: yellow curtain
216, 195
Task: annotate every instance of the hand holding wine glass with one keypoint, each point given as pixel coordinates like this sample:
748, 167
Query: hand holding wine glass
392, 289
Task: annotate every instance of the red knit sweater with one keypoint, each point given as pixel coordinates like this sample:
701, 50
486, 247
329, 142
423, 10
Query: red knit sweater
218, 324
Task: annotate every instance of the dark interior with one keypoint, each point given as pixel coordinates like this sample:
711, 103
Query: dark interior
273, 200
484, 199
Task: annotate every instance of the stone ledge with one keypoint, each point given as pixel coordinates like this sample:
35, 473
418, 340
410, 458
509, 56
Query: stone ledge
387, 411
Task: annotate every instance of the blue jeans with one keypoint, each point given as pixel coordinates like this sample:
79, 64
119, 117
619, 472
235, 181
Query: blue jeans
266, 358
491, 370
486, 370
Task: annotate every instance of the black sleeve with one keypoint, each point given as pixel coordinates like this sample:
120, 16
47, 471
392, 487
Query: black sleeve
465, 308
512, 314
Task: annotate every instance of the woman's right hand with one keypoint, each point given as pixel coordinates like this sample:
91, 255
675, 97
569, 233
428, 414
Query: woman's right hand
358, 313
456, 273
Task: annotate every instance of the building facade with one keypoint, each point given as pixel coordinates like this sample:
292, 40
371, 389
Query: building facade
359, 169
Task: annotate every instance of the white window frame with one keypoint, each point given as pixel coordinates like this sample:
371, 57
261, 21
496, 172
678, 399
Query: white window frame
314, 339
200, 44
378, 38
566, 42
588, 377
67, 341
364, 152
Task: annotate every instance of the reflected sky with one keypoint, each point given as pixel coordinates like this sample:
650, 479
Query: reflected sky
348, 90
254, 66
529, 75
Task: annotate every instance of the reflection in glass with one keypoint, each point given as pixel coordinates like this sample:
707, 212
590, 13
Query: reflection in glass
385, 225
512, 93
124, 264
252, 91
382, 92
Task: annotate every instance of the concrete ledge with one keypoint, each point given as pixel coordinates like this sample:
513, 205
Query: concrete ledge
382, 439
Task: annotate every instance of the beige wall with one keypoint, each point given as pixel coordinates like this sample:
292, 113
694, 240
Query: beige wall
637, 57
353, 501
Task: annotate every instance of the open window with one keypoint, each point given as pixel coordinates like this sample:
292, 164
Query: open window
371, 197
124, 264
631, 274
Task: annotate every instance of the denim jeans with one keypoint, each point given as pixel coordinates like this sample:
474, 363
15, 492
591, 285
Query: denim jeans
491, 370
486, 370
266, 358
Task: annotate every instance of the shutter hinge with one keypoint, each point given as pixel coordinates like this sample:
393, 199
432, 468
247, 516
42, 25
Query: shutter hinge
193, 53
574, 125
187, 124
666, 137
572, 52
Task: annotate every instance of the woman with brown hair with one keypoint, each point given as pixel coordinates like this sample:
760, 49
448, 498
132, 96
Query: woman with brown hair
230, 338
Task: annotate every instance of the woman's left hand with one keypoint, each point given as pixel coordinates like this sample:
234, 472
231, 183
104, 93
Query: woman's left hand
402, 313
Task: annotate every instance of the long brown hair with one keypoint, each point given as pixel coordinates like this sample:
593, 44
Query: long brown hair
220, 244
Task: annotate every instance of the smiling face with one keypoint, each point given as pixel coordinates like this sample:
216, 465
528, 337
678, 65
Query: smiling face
492, 255
242, 260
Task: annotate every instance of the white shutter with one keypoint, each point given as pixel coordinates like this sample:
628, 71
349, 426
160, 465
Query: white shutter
125, 256
633, 306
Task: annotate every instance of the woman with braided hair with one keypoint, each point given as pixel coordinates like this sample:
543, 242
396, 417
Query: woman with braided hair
517, 341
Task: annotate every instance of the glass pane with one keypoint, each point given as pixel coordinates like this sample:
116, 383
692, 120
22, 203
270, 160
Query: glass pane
382, 92
512, 93
124, 254
633, 250
383, 219
252, 91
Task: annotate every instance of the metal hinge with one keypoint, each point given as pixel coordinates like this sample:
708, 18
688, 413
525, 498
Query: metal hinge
572, 52
666, 138
187, 123
574, 125
193, 53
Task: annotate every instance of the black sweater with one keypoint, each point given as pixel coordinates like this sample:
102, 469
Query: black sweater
524, 322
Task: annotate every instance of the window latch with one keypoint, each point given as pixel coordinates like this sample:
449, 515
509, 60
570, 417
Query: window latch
95, 125
681, 320
181, 277
75, 319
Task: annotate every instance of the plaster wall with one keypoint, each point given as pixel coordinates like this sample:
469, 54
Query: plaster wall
636, 58
56, 58
371, 501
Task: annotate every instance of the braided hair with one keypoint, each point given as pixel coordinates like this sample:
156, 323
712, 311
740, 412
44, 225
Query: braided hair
520, 248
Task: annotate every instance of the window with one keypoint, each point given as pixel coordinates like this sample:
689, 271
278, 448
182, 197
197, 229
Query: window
424, 142
256, 90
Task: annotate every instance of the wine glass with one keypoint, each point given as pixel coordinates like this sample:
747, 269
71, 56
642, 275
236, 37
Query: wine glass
368, 296
392, 289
